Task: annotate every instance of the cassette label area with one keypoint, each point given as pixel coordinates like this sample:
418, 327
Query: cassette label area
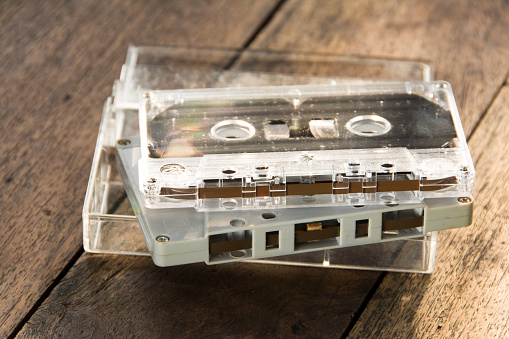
317, 145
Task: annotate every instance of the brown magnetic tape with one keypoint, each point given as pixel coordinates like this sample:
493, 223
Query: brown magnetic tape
296, 189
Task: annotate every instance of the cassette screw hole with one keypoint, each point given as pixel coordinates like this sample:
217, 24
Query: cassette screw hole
261, 168
238, 254
162, 238
464, 200
358, 206
387, 165
269, 215
229, 171
237, 223
123, 142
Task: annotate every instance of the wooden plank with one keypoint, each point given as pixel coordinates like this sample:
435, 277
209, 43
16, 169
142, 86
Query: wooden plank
59, 61
113, 296
467, 295
289, 307
126, 285
468, 44
467, 41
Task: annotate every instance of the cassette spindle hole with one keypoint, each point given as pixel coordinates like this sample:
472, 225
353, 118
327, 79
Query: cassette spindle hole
233, 130
368, 125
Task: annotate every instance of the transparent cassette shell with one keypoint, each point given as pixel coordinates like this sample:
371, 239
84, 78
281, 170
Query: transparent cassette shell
184, 235
294, 146
178, 67
108, 228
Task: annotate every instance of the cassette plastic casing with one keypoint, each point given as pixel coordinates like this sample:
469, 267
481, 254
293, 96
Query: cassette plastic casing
114, 229
177, 236
302, 146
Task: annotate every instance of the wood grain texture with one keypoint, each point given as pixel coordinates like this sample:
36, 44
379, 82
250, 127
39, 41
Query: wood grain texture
467, 41
106, 296
126, 296
59, 61
467, 296
469, 46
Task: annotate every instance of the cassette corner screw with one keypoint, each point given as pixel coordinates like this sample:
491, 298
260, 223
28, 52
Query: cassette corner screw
123, 142
464, 200
162, 238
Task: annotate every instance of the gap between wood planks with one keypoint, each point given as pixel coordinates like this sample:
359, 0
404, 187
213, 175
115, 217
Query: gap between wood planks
48, 290
488, 107
79, 252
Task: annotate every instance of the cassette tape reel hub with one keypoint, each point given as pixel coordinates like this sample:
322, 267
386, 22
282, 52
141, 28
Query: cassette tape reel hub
368, 125
232, 130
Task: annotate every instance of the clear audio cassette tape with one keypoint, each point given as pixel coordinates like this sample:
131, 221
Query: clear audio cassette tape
387, 229
302, 146
184, 235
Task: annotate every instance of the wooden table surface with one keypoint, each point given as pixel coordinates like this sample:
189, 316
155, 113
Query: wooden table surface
58, 63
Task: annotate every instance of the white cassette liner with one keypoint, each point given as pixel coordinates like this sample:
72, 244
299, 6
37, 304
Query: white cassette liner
108, 228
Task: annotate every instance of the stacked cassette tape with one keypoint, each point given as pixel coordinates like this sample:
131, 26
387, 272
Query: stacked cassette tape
231, 163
